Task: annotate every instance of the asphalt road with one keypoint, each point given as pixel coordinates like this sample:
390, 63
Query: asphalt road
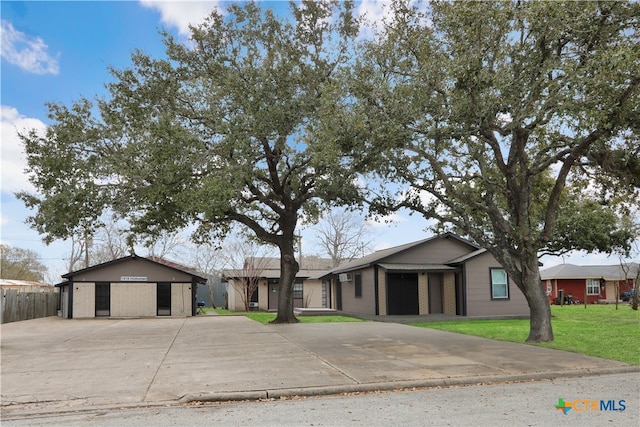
515, 404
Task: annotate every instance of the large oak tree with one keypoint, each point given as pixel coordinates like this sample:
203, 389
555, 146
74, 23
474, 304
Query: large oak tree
221, 131
486, 111
20, 264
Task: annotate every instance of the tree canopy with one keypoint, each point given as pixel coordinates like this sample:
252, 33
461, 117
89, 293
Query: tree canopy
514, 123
221, 131
343, 236
21, 264
475, 105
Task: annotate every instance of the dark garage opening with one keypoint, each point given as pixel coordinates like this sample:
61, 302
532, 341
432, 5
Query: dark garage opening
402, 293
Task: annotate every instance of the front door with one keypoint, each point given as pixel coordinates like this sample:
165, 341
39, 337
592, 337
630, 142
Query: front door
459, 296
338, 295
164, 299
65, 301
435, 293
103, 299
273, 296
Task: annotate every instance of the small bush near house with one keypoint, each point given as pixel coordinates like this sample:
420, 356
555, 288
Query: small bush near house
599, 330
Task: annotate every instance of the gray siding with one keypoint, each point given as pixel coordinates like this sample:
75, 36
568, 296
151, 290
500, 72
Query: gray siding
132, 268
479, 302
434, 252
366, 304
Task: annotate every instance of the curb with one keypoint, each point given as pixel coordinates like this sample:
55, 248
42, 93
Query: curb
397, 385
18, 411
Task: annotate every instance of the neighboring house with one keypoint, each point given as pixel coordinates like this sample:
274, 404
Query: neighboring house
591, 282
309, 291
443, 274
131, 286
27, 286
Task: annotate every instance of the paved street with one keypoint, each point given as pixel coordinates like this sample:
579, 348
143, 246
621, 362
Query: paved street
516, 404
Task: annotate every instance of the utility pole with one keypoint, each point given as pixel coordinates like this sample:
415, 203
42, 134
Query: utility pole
86, 253
300, 250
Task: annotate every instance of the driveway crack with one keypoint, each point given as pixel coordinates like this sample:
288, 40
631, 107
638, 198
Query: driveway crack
146, 392
323, 361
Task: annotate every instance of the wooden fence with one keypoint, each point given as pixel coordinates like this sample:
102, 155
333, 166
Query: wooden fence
18, 306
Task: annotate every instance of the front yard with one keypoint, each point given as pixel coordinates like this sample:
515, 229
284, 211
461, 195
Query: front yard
599, 330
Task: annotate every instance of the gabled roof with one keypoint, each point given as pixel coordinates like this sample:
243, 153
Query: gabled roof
127, 258
274, 273
572, 271
269, 268
467, 257
15, 283
417, 267
273, 263
379, 256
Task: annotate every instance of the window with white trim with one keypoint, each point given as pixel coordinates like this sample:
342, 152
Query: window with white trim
593, 286
297, 290
499, 284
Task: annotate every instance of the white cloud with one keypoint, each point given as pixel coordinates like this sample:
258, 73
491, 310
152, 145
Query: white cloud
26, 51
13, 162
504, 118
385, 221
375, 12
181, 14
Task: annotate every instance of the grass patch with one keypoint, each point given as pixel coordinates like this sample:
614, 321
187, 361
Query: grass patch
599, 330
264, 318
225, 312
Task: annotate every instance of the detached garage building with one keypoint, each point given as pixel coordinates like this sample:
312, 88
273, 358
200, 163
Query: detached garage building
129, 287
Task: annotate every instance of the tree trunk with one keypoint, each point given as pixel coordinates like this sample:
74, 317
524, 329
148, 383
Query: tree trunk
540, 321
288, 269
245, 294
540, 311
210, 286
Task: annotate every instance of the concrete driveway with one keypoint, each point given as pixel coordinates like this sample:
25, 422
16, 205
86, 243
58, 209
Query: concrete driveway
56, 364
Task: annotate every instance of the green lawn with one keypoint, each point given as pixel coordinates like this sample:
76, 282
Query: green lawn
264, 317
598, 330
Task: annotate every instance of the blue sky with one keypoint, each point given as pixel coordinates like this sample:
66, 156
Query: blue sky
60, 51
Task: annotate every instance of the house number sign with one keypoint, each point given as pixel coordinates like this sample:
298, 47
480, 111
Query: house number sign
133, 278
